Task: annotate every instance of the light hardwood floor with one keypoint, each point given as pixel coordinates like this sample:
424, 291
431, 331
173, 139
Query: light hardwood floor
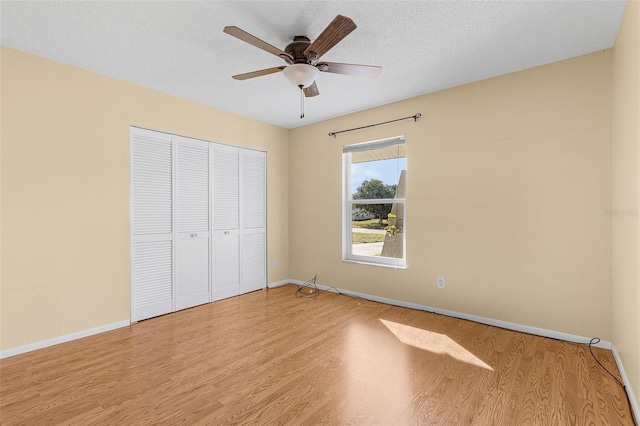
269, 357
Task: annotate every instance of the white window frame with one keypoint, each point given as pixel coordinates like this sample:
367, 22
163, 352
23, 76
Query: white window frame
348, 202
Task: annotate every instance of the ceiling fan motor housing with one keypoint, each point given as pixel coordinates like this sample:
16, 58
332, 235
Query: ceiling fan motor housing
296, 49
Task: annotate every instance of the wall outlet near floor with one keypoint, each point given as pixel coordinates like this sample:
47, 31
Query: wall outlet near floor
441, 282
274, 264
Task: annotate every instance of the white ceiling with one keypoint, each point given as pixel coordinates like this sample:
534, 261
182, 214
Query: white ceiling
422, 46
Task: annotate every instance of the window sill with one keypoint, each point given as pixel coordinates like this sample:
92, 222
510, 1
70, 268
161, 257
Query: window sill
363, 262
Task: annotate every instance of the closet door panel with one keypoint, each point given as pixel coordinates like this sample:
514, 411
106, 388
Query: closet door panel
226, 220
253, 255
193, 271
151, 159
192, 222
253, 221
152, 279
151, 183
254, 200
226, 187
226, 272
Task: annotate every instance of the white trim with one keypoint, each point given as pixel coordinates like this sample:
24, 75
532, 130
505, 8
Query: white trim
543, 332
348, 203
175, 255
62, 339
131, 213
346, 195
211, 233
377, 144
391, 262
625, 379
280, 283
366, 262
380, 201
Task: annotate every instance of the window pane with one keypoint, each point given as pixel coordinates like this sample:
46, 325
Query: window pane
375, 173
372, 236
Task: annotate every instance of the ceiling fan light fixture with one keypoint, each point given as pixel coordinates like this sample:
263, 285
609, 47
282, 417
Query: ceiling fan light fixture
301, 74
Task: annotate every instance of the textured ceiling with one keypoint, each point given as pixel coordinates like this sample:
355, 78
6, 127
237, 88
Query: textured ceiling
422, 46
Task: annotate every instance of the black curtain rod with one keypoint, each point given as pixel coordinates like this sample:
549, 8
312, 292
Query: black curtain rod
415, 118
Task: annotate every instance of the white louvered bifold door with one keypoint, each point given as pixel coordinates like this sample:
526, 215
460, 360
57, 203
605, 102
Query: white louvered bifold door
226, 220
192, 222
253, 165
151, 224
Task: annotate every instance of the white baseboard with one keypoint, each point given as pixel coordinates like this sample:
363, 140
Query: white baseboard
62, 339
627, 385
278, 283
475, 318
84, 333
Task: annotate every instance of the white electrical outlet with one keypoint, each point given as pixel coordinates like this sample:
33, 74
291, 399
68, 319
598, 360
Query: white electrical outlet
441, 282
274, 264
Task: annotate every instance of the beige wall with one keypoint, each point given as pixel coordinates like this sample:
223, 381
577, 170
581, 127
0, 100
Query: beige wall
65, 191
626, 194
508, 181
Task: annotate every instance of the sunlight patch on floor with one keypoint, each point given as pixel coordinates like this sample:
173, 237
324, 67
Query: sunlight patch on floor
433, 342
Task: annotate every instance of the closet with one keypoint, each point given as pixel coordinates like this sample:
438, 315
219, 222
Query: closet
198, 222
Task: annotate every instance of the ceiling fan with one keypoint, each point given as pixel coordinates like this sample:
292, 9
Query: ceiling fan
303, 56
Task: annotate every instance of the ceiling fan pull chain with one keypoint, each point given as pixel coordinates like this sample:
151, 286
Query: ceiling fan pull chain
301, 102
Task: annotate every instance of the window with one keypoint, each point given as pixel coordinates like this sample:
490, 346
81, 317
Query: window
374, 202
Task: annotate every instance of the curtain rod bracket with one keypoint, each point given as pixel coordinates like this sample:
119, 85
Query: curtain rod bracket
415, 118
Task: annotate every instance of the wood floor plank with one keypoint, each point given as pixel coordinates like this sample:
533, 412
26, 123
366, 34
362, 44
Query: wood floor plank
269, 357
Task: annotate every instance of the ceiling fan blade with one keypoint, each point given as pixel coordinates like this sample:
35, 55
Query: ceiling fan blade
311, 91
251, 39
338, 29
370, 71
258, 73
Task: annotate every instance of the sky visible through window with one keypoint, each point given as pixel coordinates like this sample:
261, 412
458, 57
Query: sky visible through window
388, 171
